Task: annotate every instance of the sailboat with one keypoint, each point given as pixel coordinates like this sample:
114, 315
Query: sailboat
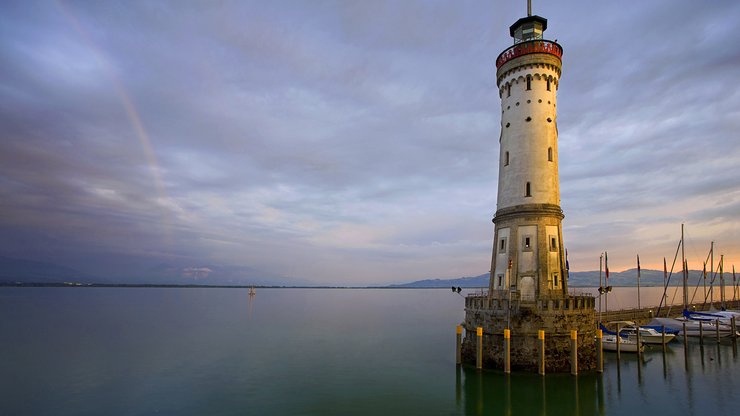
693, 328
252, 292
648, 335
609, 340
694, 324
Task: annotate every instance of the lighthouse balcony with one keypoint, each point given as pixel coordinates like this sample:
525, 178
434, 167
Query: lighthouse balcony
503, 300
529, 47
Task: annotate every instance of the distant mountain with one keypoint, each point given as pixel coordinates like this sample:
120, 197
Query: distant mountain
629, 278
211, 274
26, 271
576, 279
14, 270
467, 282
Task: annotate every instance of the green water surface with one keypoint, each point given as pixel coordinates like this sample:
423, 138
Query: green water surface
145, 351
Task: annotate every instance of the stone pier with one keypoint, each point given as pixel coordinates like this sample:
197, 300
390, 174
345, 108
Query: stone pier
557, 317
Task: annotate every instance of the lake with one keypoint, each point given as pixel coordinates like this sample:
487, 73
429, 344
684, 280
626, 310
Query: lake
144, 351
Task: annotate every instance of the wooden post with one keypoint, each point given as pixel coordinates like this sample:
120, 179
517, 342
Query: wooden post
733, 328
685, 347
639, 344
599, 351
541, 343
662, 337
618, 342
716, 323
458, 352
574, 352
507, 352
701, 332
479, 349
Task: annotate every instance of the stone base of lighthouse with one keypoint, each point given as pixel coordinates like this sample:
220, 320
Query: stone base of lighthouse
557, 317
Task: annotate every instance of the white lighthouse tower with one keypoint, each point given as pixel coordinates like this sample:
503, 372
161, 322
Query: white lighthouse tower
528, 258
528, 293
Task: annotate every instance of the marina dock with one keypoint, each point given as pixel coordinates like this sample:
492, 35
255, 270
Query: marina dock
644, 315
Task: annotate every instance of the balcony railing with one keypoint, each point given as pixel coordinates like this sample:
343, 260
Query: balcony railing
525, 48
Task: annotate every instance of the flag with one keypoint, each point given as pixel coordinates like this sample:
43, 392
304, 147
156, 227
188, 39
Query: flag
567, 265
606, 266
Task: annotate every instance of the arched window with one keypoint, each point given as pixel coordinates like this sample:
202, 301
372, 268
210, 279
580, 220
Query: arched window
548, 84
549, 154
529, 82
528, 190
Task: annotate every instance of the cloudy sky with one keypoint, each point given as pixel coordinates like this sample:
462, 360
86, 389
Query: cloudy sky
354, 142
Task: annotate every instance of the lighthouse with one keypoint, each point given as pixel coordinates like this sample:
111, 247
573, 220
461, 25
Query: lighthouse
527, 307
528, 256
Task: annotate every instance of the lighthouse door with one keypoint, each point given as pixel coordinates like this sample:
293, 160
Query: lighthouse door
526, 289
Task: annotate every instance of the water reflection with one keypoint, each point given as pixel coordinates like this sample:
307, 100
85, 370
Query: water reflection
544, 398
496, 393
250, 301
632, 383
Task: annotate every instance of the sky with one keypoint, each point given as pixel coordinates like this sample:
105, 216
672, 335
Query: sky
354, 142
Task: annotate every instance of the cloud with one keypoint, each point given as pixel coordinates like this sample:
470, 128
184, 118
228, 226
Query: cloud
344, 142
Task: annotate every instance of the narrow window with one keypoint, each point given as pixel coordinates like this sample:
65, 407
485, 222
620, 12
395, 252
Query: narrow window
528, 190
526, 242
503, 244
548, 84
553, 244
555, 279
508, 92
500, 278
549, 154
529, 82
506, 159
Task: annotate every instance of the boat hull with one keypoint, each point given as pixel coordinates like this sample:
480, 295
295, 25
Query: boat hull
609, 343
694, 328
653, 339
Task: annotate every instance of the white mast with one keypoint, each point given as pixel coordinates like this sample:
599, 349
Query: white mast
685, 274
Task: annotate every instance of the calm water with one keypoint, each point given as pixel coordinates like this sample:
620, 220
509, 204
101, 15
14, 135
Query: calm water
94, 351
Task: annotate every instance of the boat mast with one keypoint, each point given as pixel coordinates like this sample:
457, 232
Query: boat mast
685, 273
606, 283
638, 281
734, 285
722, 281
665, 283
711, 271
601, 287
704, 273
